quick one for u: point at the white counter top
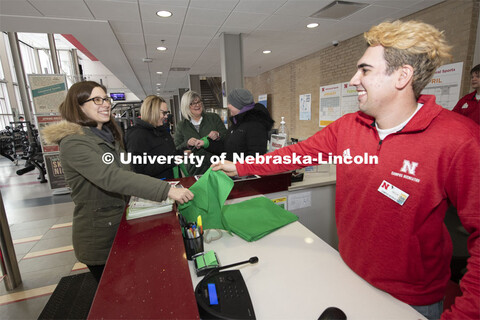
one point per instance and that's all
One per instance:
(299, 275)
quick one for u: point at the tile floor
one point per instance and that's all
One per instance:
(40, 225)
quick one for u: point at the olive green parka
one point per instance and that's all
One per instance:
(99, 190)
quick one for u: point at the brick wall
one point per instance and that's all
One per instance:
(338, 64)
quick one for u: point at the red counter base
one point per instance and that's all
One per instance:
(147, 275)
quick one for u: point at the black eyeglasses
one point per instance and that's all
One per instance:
(99, 101)
(199, 102)
(164, 112)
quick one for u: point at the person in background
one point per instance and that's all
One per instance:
(197, 125)
(150, 135)
(251, 123)
(390, 214)
(90, 146)
(469, 105)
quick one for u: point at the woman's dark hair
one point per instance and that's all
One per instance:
(71, 111)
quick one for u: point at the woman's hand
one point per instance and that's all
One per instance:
(227, 166)
(192, 142)
(199, 144)
(214, 135)
(182, 195)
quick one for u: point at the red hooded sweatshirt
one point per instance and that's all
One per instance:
(390, 215)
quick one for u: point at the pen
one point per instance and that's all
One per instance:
(194, 228)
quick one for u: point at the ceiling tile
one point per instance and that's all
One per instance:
(18, 7)
(206, 17)
(113, 10)
(63, 8)
(302, 8)
(226, 5)
(255, 6)
(126, 26)
(160, 29)
(245, 20)
(199, 30)
(130, 38)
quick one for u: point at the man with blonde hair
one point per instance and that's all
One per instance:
(390, 215)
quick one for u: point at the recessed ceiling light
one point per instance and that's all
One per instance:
(158, 89)
(161, 48)
(312, 25)
(159, 84)
(159, 72)
(267, 51)
(164, 14)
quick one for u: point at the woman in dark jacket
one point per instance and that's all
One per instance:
(149, 135)
(248, 134)
(251, 123)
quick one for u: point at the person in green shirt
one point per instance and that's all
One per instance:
(197, 125)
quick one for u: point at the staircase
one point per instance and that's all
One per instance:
(209, 97)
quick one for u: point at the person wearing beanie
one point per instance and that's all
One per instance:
(240, 98)
(251, 123)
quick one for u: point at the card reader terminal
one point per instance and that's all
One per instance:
(224, 295)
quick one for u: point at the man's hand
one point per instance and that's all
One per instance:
(228, 167)
(182, 195)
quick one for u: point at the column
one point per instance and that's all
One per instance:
(231, 55)
(9, 78)
(195, 83)
(22, 82)
(53, 53)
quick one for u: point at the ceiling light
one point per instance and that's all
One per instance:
(159, 72)
(161, 48)
(267, 51)
(312, 25)
(164, 14)
(159, 84)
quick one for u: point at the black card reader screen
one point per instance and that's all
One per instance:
(212, 294)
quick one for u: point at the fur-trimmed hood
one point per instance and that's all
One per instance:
(54, 133)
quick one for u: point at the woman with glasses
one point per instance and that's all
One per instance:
(150, 135)
(90, 146)
(197, 126)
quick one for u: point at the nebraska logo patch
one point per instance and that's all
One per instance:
(409, 167)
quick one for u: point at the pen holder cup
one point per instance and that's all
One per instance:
(193, 246)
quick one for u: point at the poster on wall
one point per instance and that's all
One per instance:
(349, 100)
(42, 122)
(306, 106)
(263, 99)
(445, 85)
(48, 92)
(329, 104)
(54, 168)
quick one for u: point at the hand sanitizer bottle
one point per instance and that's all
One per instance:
(282, 130)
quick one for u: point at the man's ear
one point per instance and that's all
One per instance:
(405, 76)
